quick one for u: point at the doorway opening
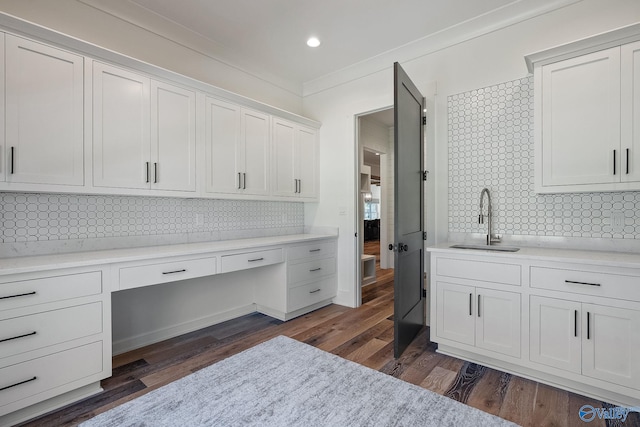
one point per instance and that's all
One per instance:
(375, 197)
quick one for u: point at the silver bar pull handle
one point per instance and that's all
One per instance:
(147, 172)
(19, 336)
(155, 173)
(299, 186)
(315, 250)
(256, 259)
(313, 292)
(478, 305)
(239, 181)
(13, 155)
(244, 181)
(19, 295)
(20, 383)
(575, 323)
(588, 325)
(174, 271)
(582, 283)
(316, 269)
(614, 161)
(470, 304)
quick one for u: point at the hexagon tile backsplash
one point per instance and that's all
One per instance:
(491, 145)
(47, 217)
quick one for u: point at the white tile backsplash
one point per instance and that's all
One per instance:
(491, 145)
(55, 217)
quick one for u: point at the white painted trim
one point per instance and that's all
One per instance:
(505, 16)
(601, 41)
(141, 340)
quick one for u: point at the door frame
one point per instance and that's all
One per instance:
(356, 200)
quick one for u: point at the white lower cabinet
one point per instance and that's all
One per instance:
(578, 328)
(480, 317)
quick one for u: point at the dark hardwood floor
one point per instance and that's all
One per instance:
(363, 335)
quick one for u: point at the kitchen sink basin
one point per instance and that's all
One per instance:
(496, 248)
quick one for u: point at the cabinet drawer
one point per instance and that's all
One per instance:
(586, 282)
(29, 378)
(303, 296)
(153, 274)
(26, 333)
(311, 250)
(485, 271)
(311, 270)
(247, 260)
(49, 289)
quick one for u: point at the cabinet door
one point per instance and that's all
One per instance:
(610, 343)
(306, 162)
(581, 119)
(455, 312)
(121, 143)
(223, 147)
(630, 124)
(498, 321)
(554, 333)
(3, 163)
(44, 114)
(255, 152)
(283, 158)
(173, 138)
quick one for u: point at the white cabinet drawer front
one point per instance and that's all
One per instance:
(586, 282)
(306, 295)
(153, 274)
(35, 376)
(247, 260)
(312, 250)
(49, 289)
(27, 333)
(311, 270)
(509, 274)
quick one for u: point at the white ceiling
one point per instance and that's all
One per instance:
(267, 38)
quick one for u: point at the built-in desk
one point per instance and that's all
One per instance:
(55, 311)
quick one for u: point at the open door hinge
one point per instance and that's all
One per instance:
(424, 235)
(425, 174)
(424, 120)
(424, 293)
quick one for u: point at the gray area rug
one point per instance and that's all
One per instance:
(283, 382)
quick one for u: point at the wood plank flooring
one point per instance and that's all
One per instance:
(363, 335)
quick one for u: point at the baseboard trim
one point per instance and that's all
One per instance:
(132, 343)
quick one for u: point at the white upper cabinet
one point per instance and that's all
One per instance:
(173, 138)
(44, 114)
(630, 124)
(586, 115)
(294, 160)
(144, 132)
(3, 163)
(237, 149)
(121, 140)
(581, 120)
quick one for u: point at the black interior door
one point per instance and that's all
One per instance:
(408, 207)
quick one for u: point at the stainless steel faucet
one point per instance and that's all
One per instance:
(490, 237)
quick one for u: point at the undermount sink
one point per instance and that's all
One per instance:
(487, 248)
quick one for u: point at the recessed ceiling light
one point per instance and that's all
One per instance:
(377, 154)
(313, 42)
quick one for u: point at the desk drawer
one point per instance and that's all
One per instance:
(29, 378)
(586, 282)
(311, 270)
(309, 294)
(170, 271)
(485, 271)
(26, 333)
(26, 293)
(311, 250)
(248, 260)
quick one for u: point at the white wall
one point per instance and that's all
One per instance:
(493, 58)
(79, 20)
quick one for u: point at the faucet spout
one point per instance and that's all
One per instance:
(489, 211)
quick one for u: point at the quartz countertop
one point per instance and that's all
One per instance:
(27, 264)
(605, 258)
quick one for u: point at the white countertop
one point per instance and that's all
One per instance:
(613, 259)
(29, 264)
